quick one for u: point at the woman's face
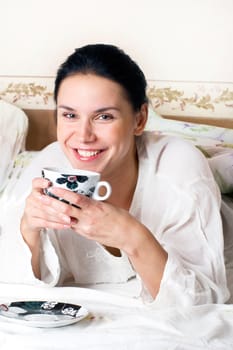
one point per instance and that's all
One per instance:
(96, 124)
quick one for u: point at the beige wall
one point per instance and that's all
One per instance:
(171, 39)
(175, 41)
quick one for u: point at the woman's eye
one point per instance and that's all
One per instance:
(69, 115)
(105, 117)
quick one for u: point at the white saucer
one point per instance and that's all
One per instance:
(43, 314)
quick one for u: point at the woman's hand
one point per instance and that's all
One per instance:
(39, 213)
(96, 220)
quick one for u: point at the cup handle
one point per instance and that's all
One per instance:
(108, 189)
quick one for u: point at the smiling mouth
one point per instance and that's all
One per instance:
(87, 154)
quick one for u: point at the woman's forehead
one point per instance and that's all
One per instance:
(89, 88)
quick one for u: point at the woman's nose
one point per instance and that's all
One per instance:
(85, 131)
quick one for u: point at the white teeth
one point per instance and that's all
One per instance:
(83, 153)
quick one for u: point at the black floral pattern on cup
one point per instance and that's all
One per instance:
(71, 181)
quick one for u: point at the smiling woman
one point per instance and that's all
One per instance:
(94, 119)
(156, 221)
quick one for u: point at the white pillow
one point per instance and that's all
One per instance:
(13, 132)
(200, 134)
(216, 144)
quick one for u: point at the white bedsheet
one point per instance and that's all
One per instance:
(118, 322)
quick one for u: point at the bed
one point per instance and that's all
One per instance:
(117, 318)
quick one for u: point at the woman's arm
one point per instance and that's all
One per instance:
(148, 258)
(39, 214)
(187, 267)
(32, 239)
(115, 227)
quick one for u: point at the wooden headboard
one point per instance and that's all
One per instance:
(42, 126)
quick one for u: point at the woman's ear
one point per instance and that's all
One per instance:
(141, 119)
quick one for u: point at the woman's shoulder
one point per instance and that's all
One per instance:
(168, 145)
(174, 156)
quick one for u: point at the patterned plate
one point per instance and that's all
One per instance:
(42, 314)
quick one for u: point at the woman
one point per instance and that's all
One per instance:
(162, 220)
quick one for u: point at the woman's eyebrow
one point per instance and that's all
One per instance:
(104, 109)
(99, 110)
(66, 107)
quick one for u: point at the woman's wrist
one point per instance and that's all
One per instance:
(32, 239)
(30, 236)
(137, 237)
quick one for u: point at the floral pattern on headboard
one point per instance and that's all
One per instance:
(28, 92)
(167, 98)
(192, 99)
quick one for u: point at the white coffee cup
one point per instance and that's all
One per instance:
(80, 181)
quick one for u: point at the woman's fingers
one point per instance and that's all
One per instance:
(92, 219)
(66, 209)
(43, 211)
(77, 200)
(40, 184)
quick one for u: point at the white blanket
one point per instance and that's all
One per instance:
(118, 322)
